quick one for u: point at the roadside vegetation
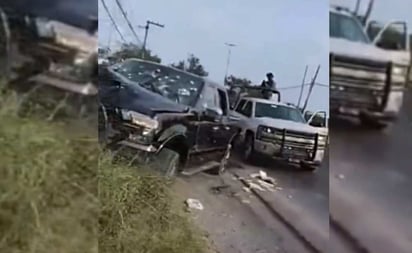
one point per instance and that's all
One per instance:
(54, 197)
(48, 186)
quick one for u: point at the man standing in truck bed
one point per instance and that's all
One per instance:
(270, 84)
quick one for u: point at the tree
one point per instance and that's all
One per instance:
(180, 65)
(192, 65)
(130, 50)
(239, 81)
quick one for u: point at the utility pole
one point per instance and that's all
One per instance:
(303, 85)
(229, 45)
(311, 88)
(146, 32)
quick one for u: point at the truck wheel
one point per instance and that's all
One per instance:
(248, 150)
(307, 167)
(374, 124)
(168, 161)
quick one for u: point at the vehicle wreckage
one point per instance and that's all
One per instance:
(50, 44)
(174, 120)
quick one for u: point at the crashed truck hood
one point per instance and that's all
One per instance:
(345, 47)
(289, 125)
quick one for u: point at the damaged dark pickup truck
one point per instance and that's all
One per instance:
(50, 45)
(172, 117)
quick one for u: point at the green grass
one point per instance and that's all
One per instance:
(48, 187)
(53, 197)
(138, 214)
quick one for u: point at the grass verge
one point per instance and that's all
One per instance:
(139, 215)
(48, 186)
(53, 197)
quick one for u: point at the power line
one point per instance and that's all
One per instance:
(306, 84)
(127, 20)
(112, 20)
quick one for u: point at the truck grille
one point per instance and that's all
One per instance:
(356, 83)
(297, 144)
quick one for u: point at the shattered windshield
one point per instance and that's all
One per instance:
(345, 27)
(278, 112)
(175, 85)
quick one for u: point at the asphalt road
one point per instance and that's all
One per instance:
(373, 171)
(310, 190)
(233, 220)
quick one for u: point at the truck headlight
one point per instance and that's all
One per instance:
(399, 71)
(267, 132)
(322, 139)
(139, 119)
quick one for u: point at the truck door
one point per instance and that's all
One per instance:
(226, 129)
(393, 36)
(395, 39)
(203, 138)
(317, 119)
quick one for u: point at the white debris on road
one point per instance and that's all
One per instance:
(194, 204)
(247, 189)
(259, 181)
(341, 176)
(255, 186)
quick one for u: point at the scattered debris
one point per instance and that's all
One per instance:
(259, 181)
(279, 188)
(262, 175)
(268, 186)
(341, 176)
(194, 204)
(247, 189)
(245, 201)
(255, 186)
(290, 197)
(218, 189)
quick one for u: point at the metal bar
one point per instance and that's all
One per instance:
(388, 87)
(315, 148)
(283, 141)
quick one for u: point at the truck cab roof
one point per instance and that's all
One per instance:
(341, 10)
(267, 101)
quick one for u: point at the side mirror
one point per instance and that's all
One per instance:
(214, 113)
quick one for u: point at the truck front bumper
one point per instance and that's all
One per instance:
(275, 151)
(353, 112)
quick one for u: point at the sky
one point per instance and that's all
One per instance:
(275, 36)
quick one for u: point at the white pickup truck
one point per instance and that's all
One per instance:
(367, 78)
(279, 131)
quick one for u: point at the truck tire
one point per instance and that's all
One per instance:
(168, 162)
(248, 153)
(307, 167)
(374, 124)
